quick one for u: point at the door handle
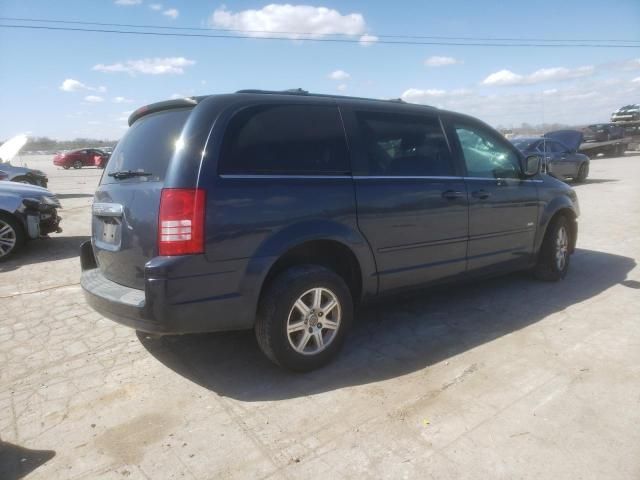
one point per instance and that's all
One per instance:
(452, 194)
(481, 194)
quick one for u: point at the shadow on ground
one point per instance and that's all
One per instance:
(44, 250)
(18, 462)
(393, 338)
(592, 181)
(68, 196)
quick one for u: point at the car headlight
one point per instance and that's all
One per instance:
(51, 201)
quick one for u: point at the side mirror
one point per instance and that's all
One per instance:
(531, 165)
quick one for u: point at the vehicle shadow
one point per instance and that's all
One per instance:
(592, 181)
(18, 462)
(68, 196)
(44, 250)
(393, 338)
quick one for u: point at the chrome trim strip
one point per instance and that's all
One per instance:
(373, 177)
(403, 177)
(333, 177)
(107, 209)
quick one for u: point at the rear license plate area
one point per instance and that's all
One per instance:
(108, 233)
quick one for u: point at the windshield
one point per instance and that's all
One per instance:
(147, 147)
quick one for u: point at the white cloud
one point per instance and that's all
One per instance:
(367, 40)
(94, 122)
(171, 13)
(93, 99)
(148, 66)
(590, 101)
(437, 61)
(636, 80)
(71, 85)
(292, 21)
(416, 95)
(128, 2)
(156, 6)
(342, 87)
(121, 100)
(507, 77)
(632, 64)
(339, 75)
(176, 96)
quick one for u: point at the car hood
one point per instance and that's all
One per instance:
(23, 190)
(569, 138)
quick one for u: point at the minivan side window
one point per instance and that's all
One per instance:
(285, 140)
(485, 155)
(404, 145)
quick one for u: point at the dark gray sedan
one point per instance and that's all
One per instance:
(560, 153)
(26, 212)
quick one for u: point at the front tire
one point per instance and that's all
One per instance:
(11, 236)
(303, 317)
(77, 164)
(554, 256)
(583, 173)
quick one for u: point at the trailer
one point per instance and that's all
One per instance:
(610, 148)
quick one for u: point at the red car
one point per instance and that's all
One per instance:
(87, 157)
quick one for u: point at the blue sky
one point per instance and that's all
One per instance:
(66, 84)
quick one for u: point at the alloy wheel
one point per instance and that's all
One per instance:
(314, 321)
(8, 238)
(562, 248)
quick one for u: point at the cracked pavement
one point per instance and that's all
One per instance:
(504, 378)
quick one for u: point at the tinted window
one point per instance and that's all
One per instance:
(148, 146)
(556, 147)
(399, 145)
(485, 155)
(285, 140)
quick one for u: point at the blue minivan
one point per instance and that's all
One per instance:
(280, 211)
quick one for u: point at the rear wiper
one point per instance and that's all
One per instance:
(122, 174)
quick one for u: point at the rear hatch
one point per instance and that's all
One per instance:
(126, 204)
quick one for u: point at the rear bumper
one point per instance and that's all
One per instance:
(151, 310)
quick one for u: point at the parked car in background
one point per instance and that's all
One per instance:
(26, 212)
(8, 151)
(303, 205)
(85, 157)
(602, 132)
(628, 113)
(4, 175)
(560, 153)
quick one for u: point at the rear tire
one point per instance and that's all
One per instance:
(66, 167)
(303, 317)
(11, 236)
(554, 256)
(583, 173)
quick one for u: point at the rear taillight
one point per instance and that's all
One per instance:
(181, 221)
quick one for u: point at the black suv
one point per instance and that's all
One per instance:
(279, 211)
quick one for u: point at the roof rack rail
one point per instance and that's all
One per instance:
(300, 91)
(290, 91)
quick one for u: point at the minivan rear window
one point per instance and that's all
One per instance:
(147, 146)
(285, 140)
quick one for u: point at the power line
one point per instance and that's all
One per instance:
(312, 34)
(314, 39)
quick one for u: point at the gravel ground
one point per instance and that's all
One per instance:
(506, 378)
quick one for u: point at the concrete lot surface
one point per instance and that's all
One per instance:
(506, 378)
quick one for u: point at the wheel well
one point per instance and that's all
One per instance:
(327, 253)
(573, 226)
